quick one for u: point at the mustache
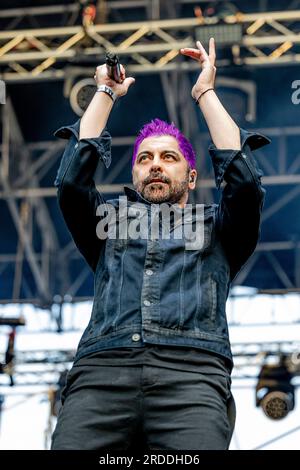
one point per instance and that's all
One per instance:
(152, 177)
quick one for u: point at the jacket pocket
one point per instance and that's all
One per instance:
(213, 300)
(207, 304)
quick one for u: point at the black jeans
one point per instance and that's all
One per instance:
(142, 408)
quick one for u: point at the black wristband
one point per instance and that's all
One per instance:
(197, 101)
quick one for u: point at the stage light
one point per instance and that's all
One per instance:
(88, 15)
(221, 10)
(295, 360)
(274, 391)
(81, 95)
(224, 34)
(218, 26)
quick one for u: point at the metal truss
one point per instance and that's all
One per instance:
(38, 372)
(23, 185)
(16, 158)
(146, 46)
(41, 367)
(149, 46)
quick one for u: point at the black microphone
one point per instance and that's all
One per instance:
(113, 67)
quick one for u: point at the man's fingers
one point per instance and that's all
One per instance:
(189, 50)
(193, 53)
(123, 74)
(128, 81)
(202, 50)
(200, 53)
(212, 51)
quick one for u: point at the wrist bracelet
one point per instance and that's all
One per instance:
(106, 89)
(197, 101)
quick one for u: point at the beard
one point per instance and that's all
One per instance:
(167, 191)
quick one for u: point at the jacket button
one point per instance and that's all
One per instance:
(244, 156)
(149, 272)
(147, 303)
(76, 145)
(136, 337)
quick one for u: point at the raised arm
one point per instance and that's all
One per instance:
(95, 117)
(89, 142)
(223, 130)
(239, 211)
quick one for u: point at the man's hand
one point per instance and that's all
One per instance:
(96, 115)
(120, 89)
(206, 78)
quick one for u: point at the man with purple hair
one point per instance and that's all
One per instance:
(153, 367)
(173, 187)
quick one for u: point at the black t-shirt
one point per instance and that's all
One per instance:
(172, 357)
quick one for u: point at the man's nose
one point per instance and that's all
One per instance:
(156, 164)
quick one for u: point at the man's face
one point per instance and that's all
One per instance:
(160, 172)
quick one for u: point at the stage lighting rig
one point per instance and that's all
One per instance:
(274, 391)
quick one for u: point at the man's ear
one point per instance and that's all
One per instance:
(192, 179)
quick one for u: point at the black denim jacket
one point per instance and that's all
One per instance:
(155, 290)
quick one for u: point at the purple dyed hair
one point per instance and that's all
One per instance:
(157, 127)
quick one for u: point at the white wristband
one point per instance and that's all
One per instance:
(106, 89)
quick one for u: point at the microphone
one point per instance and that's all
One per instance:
(113, 67)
